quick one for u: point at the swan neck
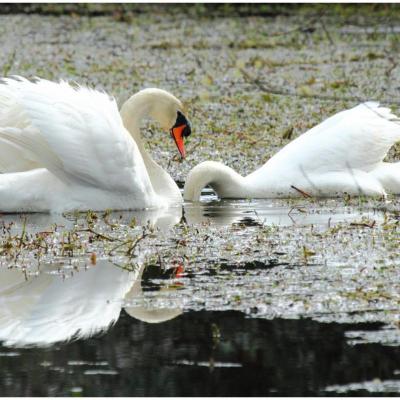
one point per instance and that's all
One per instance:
(132, 113)
(223, 179)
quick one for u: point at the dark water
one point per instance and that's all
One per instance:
(199, 354)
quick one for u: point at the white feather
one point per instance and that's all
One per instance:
(78, 136)
(343, 154)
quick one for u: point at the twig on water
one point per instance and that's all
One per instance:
(302, 192)
(364, 224)
(135, 243)
(100, 235)
(132, 243)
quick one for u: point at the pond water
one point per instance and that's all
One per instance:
(202, 353)
(221, 298)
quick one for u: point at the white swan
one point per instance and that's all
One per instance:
(47, 308)
(343, 154)
(85, 153)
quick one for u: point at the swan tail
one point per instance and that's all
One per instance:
(385, 122)
(26, 191)
(383, 112)
(369, 131)
(388, 174)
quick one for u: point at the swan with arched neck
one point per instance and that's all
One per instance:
(342, 155)
(68, 148)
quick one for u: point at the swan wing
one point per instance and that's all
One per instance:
(358, 138)
(12, 157)
(15, 159)
(76, 133)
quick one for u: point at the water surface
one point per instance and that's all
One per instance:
(221, 298)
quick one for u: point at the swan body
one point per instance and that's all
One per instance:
(343, 154)
(64, 148)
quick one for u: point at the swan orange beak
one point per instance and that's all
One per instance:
(178, 133)
(180, 130)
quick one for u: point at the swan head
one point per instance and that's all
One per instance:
(179, 131)
(169, 112)
(162, 106)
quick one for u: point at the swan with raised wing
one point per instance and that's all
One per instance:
(342, 155)
(68, 148)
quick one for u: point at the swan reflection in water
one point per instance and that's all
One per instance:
(275, 212)
(39, 310)
(48, 308)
